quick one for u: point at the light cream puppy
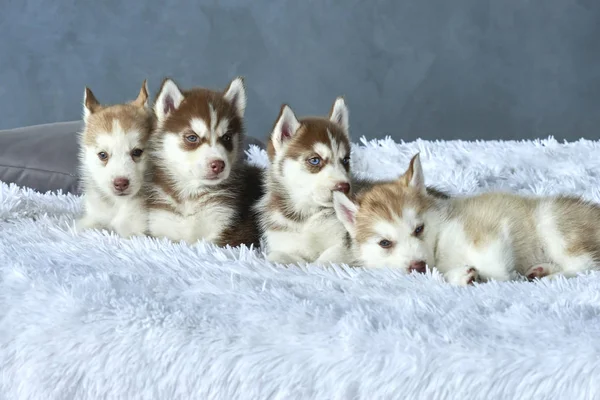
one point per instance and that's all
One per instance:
(113, 164)
(492, 236)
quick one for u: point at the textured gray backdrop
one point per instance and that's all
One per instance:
(468, 69)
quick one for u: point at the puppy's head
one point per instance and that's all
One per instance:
(310, 157)
(387, 222)
(113, 143)
(200, 133)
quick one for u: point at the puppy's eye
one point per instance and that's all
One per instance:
(103, 156)
(226, 137)
(136, 152)
(345, 160)
(316, 161)
(385, 244)
(192, 138)
(419, 229)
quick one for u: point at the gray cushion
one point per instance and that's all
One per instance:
(44, 157)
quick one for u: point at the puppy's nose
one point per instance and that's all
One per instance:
(343, 187)
(217, 166)
(121, 184)
(418, 266)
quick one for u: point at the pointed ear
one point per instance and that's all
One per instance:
(286, 126)
(90, 104)
(168, 100)
(339, 114)
(346, 211)
(413, 177)
(142, 99)
(236, 95)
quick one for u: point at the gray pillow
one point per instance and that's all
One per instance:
(44, 157)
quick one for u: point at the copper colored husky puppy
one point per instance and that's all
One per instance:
(202, 188)
(309, 160)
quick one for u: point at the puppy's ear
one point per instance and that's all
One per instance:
(142, 99)
(90, 104)
(236, 95)
(345, 210)
(413, 177)
(285, 127)
(169, 99)
(339, 114)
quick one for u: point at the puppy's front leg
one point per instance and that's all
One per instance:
(280, 257)
(337, 254)
(131, 220)
(284, 247)
(462, 276)
(87, 222)
(128, 228)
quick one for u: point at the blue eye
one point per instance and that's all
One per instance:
(314, 161)
(386, 244)
(346, 160)
(419, 230)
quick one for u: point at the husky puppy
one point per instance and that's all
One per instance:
(309, 160)
(491, 236)
(113, 164)
(202, 189)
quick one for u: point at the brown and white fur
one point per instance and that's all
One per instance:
(309, 160)
(492, 236)
(202, 188)
(114, 163)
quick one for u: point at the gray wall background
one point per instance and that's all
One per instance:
(435, 69)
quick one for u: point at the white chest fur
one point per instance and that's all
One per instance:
(126, 216)
(320, 238)
(190, 221)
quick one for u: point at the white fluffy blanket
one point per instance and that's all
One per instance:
(98, 317)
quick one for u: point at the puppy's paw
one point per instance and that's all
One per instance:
(129, 228)
(84, 223)
(130, 231)
(278, 257)
(463, 276)
(540, 271)
(334, 254)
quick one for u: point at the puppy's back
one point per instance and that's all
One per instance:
(578, 222)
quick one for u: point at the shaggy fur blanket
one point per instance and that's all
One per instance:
(99, 317)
